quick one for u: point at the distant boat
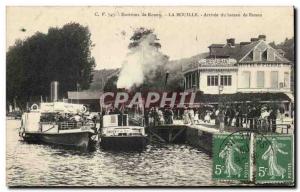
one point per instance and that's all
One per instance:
(117, 134)
(45, 124)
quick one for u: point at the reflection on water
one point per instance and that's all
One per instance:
(42, 165)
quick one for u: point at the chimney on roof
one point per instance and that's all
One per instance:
(253, 39)
(231, 42)
(244, 43)
(262, 37)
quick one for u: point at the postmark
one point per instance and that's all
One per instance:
(232, 156)
(274, 159)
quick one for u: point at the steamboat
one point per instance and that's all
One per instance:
(58, 123)
(123, 132)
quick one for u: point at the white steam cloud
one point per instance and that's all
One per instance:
(141, 63)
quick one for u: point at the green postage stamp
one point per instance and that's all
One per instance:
(274, 159)
(232, 156)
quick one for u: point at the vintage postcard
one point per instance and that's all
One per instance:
(178, 96)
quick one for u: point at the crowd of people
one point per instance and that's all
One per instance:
(241, 116)
(70, 119)
(252, 116)
(159, 116)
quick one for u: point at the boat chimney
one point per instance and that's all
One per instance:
(54, 91)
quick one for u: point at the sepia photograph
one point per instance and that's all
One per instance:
(150, 96)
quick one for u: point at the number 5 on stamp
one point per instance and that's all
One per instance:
(232, 157)
(274, 159)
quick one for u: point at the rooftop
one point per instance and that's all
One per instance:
(239, 50)
(82, 95)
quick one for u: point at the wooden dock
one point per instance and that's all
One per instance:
(199, 135)
(196, 135)
(167, 133)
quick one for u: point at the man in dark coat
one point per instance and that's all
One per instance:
(272, 120)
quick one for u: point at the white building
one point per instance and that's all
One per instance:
(247, 67)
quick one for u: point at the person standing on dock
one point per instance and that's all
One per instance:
(151, 116)
(221, 117)
(186, 116)
(251, 117)
(191, 115)
(207, 117)
(161, 117)
(217, 122)
(226, 117)
(168, 115)
(272, 120)
(239, 117)
(196, 118)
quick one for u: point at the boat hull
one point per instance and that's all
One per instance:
(79, 140)
(123, 142)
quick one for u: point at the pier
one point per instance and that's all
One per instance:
(198, 135)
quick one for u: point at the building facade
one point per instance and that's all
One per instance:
(247, 67)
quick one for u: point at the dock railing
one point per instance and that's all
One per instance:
(263, 125)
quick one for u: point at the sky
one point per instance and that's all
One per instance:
(181, 36)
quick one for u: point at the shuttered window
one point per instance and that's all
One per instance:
(274, 79)
(245, 83)
(260, 79)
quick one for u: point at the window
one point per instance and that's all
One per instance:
(264, 56)
(286, 79)
(274, 79)
(212, 80)
(260, 79)
(246, 79)
(226, 80)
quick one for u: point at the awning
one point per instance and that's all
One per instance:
(291, 96)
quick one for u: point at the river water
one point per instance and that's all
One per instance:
(43, 165)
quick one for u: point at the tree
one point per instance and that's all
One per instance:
(111, 84)
(289, 48)
(144, 54)
(138, 36)
(63, 54)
